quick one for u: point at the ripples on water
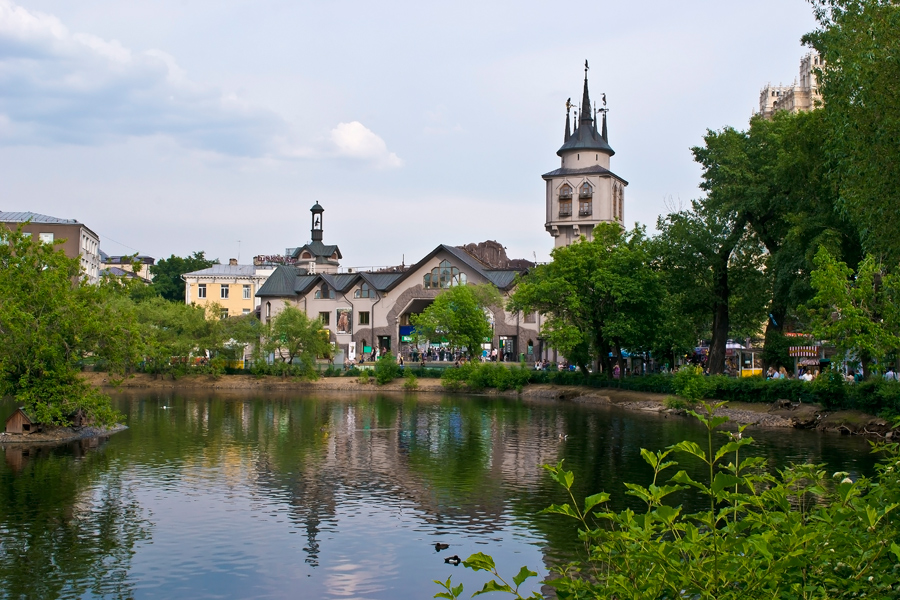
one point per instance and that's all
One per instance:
(329, 497)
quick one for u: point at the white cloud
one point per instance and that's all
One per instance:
(63, 87)
(355, 140)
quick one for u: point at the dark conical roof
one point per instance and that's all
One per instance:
(585, 136)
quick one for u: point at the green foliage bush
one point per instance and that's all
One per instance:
(411, 382)
(475, 377)
(690, 383)
(364, 376)
(800, 533)
(386, 369)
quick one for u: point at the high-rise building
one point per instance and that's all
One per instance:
(583, 191)
(802, 95)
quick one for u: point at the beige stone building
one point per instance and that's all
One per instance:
(583, 191)
(79, 241)
(366, 310)
(801, 95)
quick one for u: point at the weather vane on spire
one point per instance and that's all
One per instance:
(586, 67)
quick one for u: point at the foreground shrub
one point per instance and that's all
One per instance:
(386, 369)
(411, 382)
(690, 383)
(798, 534)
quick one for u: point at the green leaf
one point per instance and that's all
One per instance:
(592, 501)
(560, 509)
(479, 562)
(724, 480)
(691, 448)
(524, 574)
(493, 586)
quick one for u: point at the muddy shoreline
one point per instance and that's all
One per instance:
(58, 435)
(799, 416)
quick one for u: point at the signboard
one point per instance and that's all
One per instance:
(367, 349)
(351, 351)
(344, 320)
(406, 338)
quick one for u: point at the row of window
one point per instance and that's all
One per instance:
(224, 291)
(325, 317)
(585, 208)
(586, 191)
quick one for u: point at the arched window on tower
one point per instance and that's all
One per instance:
(585, 200)
(565, 200)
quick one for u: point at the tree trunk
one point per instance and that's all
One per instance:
(720, 315)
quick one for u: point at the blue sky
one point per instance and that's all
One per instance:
(181, 125)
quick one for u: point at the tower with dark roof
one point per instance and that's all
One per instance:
(583, 191)
(316, 256)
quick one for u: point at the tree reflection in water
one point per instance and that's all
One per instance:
(69, 524)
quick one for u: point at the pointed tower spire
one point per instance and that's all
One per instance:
(586, 97)
(568, 128)
(603, 132)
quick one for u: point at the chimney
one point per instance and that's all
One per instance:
(232, 262)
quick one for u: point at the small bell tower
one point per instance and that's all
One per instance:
(316, 230)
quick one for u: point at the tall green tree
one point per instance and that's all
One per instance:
(713, 267)
(293, 336)
(859, 41)
(167, 272)
(599, 297)
(458, 317)
(857, 311)
(50, 319)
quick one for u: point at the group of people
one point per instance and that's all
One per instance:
(777, 374)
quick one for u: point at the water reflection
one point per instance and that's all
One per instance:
(238, 495)
(69, 523)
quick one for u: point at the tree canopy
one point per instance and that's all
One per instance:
(167, 272)
(50, 319)
(458, 317)
(599, 296)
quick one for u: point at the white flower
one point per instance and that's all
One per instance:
(846, 480)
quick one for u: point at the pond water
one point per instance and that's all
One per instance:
(333, 496)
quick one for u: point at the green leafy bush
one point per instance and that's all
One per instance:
(800, 533)
(364, 376)
(690, 383)
(386, 369)
(410, 382)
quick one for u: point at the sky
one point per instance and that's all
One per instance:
(175, 126)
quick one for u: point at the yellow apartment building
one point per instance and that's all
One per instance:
(233, 287)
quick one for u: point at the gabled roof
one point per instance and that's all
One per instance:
(281, 282)
(288, 281)
(21, 217)
(21, 409)
(465, 258)
(502, 279)
(318, 249)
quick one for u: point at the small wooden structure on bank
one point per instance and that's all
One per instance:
(20, 422)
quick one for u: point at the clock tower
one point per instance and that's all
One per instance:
(583, 191)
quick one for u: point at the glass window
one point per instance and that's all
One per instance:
(201, 290)
(268, 309)
(318, 295)
(363, 318)
(586, 190)
(325, 317)
(364, 291)
(246, 311)
(223, 293)
(46, 238)
(565, 191)
(224, 313)
(246, 292)
(565, 208)
(585, 207)
(444, 276)
(529, 317)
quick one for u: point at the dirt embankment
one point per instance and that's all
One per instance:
(783, 414)
(55, 435)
